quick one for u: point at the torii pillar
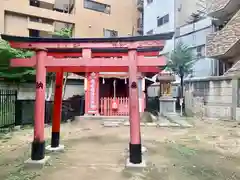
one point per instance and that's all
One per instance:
(135, 152)
(38, 144)
(57, 114)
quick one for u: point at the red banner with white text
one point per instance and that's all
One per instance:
(93, 101)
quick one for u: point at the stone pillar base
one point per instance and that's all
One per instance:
(132, 165)
(60, 148)
(167, 105)
(34, 164)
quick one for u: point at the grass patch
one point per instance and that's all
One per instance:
(201, 164)
(20, 174)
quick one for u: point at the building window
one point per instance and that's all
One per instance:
(34, 3)
(163, 20)
(150, 32)
(96, 6)
(149, 1)
(34, 33)
(200, 51)
(109, 33)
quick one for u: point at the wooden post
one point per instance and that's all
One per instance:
(135, 137)
(57, 110)
(38, 145)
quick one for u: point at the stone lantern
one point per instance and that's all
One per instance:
(167, 102)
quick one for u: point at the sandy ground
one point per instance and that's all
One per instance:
(208, 151)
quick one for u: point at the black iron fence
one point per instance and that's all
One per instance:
(21, 112)
(7, 108)
(70, 108)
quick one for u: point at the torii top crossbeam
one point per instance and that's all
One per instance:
(93, 54)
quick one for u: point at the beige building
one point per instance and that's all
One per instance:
(87, 17)
(224, 44)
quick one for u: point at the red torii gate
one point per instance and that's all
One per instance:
(77, 55)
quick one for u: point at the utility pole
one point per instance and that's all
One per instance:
(175, 23)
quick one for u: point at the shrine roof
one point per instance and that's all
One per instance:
(163, 36)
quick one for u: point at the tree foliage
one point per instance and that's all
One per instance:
(9, 73)
(64, 33)
(181, 60)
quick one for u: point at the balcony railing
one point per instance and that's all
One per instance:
(26, 9)
(140, 4)
(38, 24)
(67, 7)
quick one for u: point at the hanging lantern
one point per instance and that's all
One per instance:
(103, 81)
(114, 102)
(114, 105)
(125, 80)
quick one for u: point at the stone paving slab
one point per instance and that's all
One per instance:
(168, 124)
(143, 124)
(179, 120)
(111, 124)
(174, 121)
(128, 124)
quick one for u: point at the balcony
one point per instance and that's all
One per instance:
(222, 9)
(40, 25)
(26, 9)
(225, 44)
(140, 4)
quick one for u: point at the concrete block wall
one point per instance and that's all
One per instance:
(238, 113)
(214, 99)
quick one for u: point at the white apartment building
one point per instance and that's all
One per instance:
(175, 15)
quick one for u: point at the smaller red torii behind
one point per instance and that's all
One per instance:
(125, 54)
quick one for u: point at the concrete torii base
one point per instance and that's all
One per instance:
(131, 165)
(60, 148)
(33, 164)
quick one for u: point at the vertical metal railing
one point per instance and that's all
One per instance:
(7, 108)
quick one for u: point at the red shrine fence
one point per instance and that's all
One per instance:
(106, 108)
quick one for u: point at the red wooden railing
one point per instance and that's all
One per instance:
(107, 110)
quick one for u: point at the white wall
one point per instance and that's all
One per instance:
(26, 91)
(158, 8)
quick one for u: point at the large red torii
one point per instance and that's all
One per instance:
(84, 55)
